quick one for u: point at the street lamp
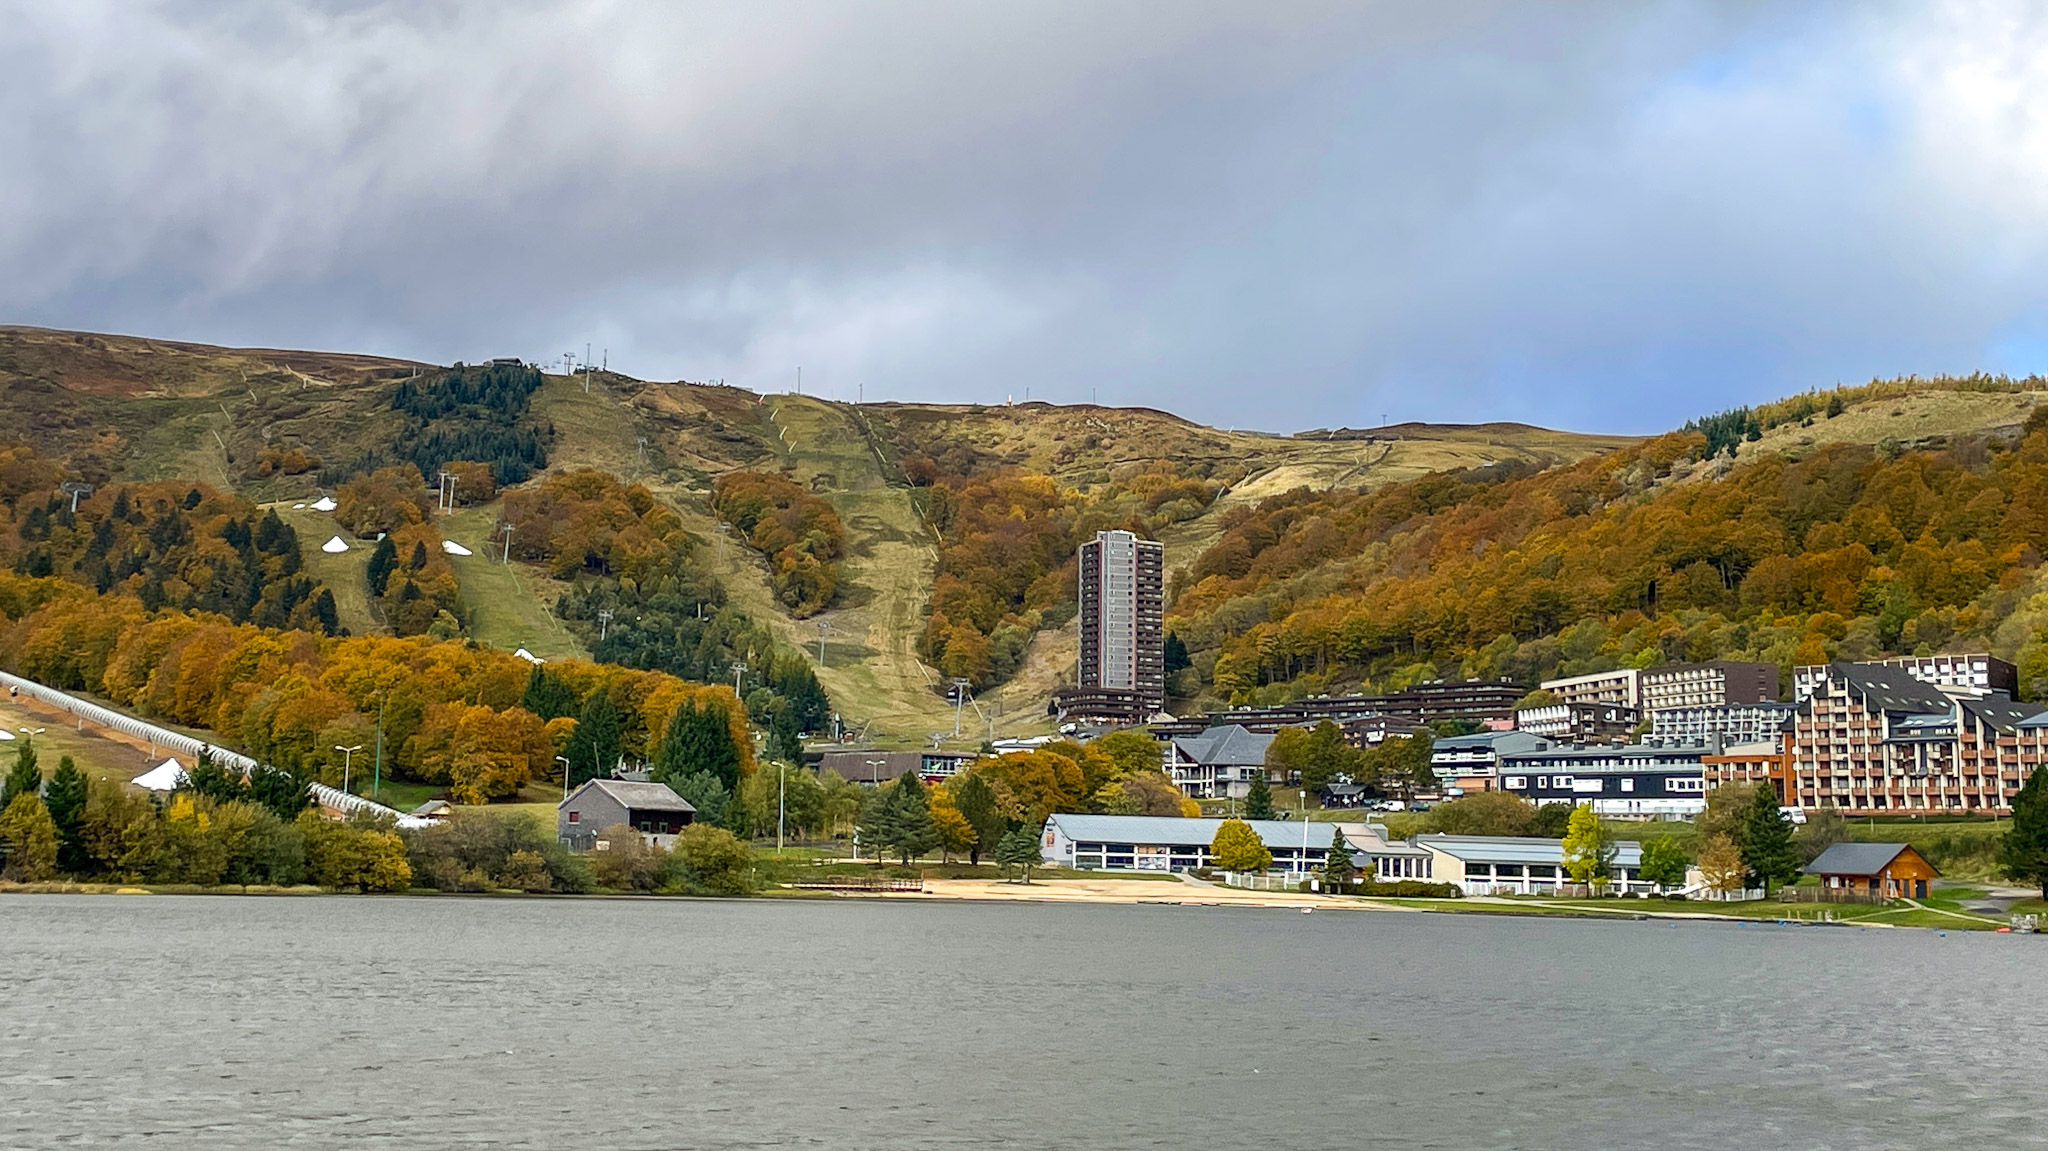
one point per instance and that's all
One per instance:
(348, 755)
(564, 761)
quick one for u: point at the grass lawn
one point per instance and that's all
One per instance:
(1760, 910)
(96, 755)
(509, 606)
(342, 573)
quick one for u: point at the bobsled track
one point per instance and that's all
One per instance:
(332, 798)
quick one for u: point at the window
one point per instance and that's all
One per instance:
(1516, 782)
(1628, 785)
(575, 817)
(1542, 781)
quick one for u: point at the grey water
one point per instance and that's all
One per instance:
(412, 1022)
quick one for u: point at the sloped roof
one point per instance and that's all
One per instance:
(2004, 715)
(1890, 689)
(637, 796)
(1230, 745)
(1514, 849)
(1856, 859)
(1498, 742)
(1136, 829)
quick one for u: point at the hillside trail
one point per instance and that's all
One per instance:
(870, 667)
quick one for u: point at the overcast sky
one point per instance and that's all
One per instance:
(1274, 215)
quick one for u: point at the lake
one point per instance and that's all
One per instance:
(225, 1022)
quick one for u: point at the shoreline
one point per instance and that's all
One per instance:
(1112, 892)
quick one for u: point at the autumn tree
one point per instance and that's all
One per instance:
(30, 839)
(1721, 864)
(1588, 850)
(1486, 813)
(954, 832)
(714, 861)
(1238, 848)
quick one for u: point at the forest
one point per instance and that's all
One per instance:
(444, 712)
(473, 413)
(799, 532)
(1629, 559)
(1006, 553)
(171, 545)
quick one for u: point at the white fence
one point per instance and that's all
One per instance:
(329, 797)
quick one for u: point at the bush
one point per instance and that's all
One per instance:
(714, 861)
(1411, 889)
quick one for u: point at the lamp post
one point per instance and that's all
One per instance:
(348, 755)
(564, 761)
(781, 786)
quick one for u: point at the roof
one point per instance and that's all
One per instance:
(871, 766)
(1512, 849)
(635, 796)
(1176, 830)
(1889, 688)
(1856, 858)
(1229, 744)
(2004, 715)
(1498, 742)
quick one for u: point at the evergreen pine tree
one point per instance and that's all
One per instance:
(1767, 849)
(703, 791)
(594, 746)
(213, 781)
(1019, 849)
(283, 792)
(2024, 853)
(1337, 868)
(65, 799)
(377, 572)
(785, 739)
(547, 696)
(1258, 802)
(976, 800)
(25, 778)
(698, 739)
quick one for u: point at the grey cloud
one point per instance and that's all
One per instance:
(1281, 215)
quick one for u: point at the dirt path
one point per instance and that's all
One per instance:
(1185, 893)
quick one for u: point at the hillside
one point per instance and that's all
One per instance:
(928, 496)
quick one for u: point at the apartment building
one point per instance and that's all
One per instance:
(1973, 673)
(1623, 686)
(1579, 722)
(1122, 594)
(1722, 681)
(1872, 738)
(1635, 781)
(1730, 723)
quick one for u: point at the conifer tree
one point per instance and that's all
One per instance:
(65, 800)
(976, 800)
(698, 739)
(1337, 868)
(594, 746)
(1258, 802)
(1019, 849)
(25, 778)
(2024, 853)
(1767, 848)
(377, 572)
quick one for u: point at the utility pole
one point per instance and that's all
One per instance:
(348, 755)
(604, 624)
(823, 627)
(586, 369)
(723, 528)
(781, 786)
(739, 668)
(564, 761)
(507, 528)
(959, 703)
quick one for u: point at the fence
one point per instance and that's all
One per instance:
(1829, 895)
(1259, 881)
(859, 883)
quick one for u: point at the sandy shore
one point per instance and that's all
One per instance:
(1187, 892)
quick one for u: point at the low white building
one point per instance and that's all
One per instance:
(1504, 865)
(1166, 843)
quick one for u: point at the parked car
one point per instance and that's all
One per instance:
(1419, 805)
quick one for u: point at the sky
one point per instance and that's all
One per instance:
(1602, 217)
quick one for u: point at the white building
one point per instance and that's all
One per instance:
(1501, 865)
(1971, 674)
(1622, 686)
(1729, 722)
(1166, 843)
(1220, 763)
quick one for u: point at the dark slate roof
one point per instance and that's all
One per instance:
(2001, 714)
(640, 796)
(1230, 745)
(1855, 859)
(1891, 689)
